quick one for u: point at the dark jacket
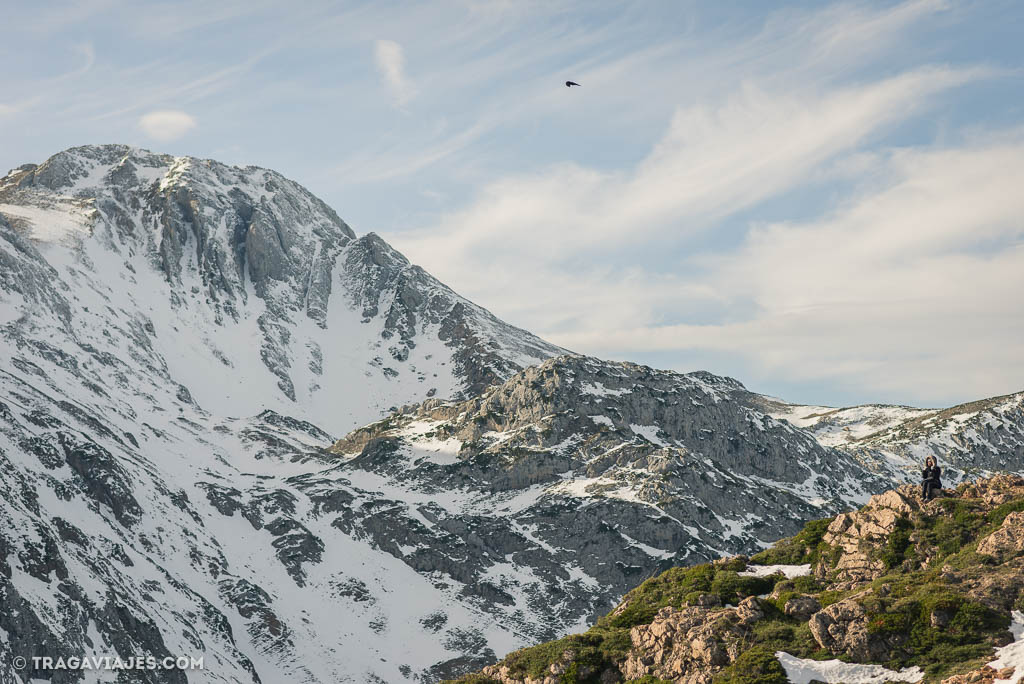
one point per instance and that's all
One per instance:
(932, 474)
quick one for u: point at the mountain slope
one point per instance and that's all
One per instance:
(547, 497)
(899, 590)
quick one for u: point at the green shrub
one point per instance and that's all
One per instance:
(597, 650)
(734, 564)
(475, 679)
(733, 587)
(827, 598)
(807, 584)
(973, 619)
(897, 544)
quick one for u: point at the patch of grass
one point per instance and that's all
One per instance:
(905, 617)
(805, 547)
(756, 665)
(959, 524)
(671, 588)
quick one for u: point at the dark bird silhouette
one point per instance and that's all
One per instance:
(570, 84)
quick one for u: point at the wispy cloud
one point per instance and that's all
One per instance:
(167, 124)
(712, 162)
(390, 60)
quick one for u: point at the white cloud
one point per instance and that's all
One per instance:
(390, 61)
(166, 124)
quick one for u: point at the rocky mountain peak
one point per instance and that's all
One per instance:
(267, 273)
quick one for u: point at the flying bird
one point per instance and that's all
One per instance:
(570, 84)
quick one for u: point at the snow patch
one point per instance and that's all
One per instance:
(57, 223)
(648, 432)
(790, 571)
(598, 390)
(804, 671)
(1012, 655)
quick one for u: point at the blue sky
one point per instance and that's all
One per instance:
(822, 200)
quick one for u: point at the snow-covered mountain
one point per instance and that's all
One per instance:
(231, 283)
(979, 437)
(183, 343)
(175, 330)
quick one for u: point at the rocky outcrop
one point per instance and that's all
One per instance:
(801, 607)
(1008, 541)
(843, 629)
(855, 534)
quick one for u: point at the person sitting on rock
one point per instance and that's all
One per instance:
(930, 483)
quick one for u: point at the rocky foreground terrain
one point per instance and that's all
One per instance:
(899, 590)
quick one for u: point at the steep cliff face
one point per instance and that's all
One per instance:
(899, 590)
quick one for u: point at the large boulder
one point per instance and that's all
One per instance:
(842, 628)
(1007, 541)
